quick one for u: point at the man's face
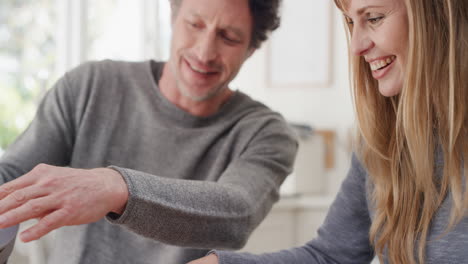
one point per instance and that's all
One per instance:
(209, 44)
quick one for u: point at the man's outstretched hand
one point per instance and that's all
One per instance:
(60, 196)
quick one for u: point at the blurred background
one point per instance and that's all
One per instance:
(300, 72)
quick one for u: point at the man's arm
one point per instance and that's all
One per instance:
(219, 214)
(188, 213)
(59, 197)
(166, 209)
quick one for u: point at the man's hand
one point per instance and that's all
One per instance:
(210, 259)
(59, 197)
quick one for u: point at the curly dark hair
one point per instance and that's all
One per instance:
(265, 15)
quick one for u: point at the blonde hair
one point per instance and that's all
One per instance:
(399, 136)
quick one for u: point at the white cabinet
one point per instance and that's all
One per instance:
(291, 222)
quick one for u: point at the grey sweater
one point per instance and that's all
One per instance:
(193, 182)
(343, 237)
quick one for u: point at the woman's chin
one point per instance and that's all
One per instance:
(389, 90)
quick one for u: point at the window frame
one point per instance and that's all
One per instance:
(73, 31)
(71, 35)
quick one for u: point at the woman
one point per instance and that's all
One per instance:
(405, 198)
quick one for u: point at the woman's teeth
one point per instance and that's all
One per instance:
(379, 64)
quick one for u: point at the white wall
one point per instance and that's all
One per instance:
(326, 107)
(294, 220)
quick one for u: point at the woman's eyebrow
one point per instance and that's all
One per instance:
(361, 10)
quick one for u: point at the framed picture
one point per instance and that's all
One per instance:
(299, 52)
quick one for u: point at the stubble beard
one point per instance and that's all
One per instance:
(199, 98)
(184, 91)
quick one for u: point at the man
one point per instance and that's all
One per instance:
(163, 160)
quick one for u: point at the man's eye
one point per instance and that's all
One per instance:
(229, 39)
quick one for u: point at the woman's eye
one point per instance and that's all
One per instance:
(374, 20)
(194, 24)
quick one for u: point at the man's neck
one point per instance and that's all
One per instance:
(168, 87)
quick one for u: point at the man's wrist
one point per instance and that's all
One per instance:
(118, 190)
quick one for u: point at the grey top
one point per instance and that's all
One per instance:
(343, 237)
(7, 241)
(193, 182)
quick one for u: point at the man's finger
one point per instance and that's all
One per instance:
(47, 223)
(20, 197)
(32, 209)
(21, 182)
(9, 187)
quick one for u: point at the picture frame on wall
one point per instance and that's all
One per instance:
(299, 52)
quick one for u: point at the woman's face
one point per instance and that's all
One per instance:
(379, 33)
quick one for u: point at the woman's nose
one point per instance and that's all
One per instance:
(360, 42)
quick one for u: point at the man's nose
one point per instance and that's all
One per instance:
(360, 42)
(207, 49)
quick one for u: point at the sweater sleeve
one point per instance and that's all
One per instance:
(207, 214)
(342, 238)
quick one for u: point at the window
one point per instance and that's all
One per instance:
(119, 33)
(128, 30)
(41, 39)
(28, 50)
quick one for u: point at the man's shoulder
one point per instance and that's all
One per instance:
(108, 77)
(252, 108)
(253, 115)
(96, 69)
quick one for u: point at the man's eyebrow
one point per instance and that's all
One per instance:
(232, 29)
